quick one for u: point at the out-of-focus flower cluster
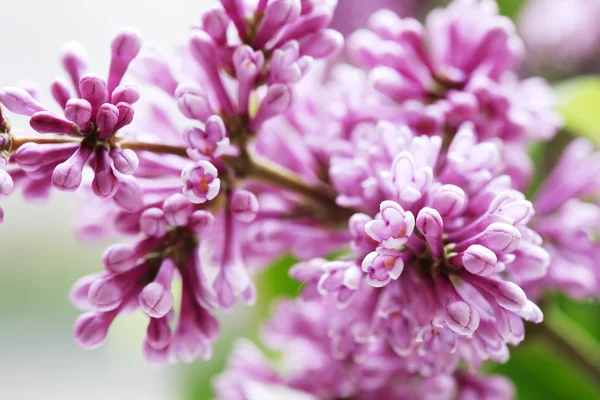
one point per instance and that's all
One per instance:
(249, 145)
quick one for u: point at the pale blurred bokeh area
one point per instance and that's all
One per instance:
(39, 255)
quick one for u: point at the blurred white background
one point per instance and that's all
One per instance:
(39, 255)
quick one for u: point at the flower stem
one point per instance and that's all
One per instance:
(570, 341)
(18, 141)
(154, 147)
(246, 165)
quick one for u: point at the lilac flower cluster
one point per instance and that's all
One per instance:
(248, 145)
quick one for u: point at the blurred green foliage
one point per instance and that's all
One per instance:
(579, 103)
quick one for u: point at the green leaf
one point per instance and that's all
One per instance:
(538, 373)
(579, 103)
(510, 8)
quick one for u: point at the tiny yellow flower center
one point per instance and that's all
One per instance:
(401, 233)
(203, 184)
(389, 263)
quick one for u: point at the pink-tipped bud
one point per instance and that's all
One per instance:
(130, 195)
(177, 210)
(106, 119)
(152, 222)
(193, 102)
(46, 122)
(79, 292)
(449, 200)
(124, 47)
(156, 356)
(156, 300)
(60, 92)
(277, 100)
(67, 176)
(215, 22)
(126, 113)
(429, 222)
(158, 334)
(203, 48)
(125, 93)
(125, 161)
(78, 111)
(90, 329)
(277, 14)
(501, 237)
(462, 318)
(105, 183)
(120, 257)
(126, 44)
(244, 205)
(105, 294)
(281, 12)
(74, 59)
(93, 89)
(20, 101)
(510, 296)
(32, 156)
(202, 222)
(6, 182)
(325, 44)
(479, 260)
(201, 182)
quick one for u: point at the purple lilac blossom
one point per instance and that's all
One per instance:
(568, 218)
(414, 160)
(308, 370)
(420, 67)
(95, 113)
